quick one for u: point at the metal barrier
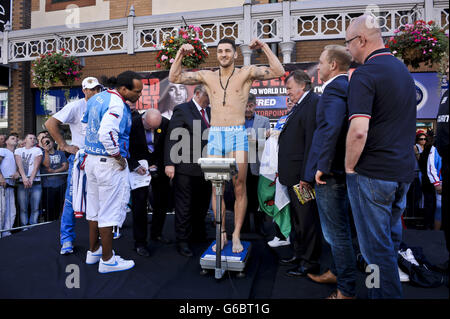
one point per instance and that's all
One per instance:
(50, 205)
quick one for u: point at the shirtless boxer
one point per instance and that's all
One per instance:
(228, 90)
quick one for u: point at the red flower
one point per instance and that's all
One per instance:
(430, 22)
(158, 65)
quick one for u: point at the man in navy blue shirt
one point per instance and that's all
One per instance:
(379, 159)
(325, 167)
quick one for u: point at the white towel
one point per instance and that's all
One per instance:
(79, 184)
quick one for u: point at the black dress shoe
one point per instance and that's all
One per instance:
(290, 261)
(301, 271)
(162, 240)
(184, 250)
(143, 251)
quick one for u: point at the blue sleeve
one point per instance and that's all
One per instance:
(334, 111)
(361, 95)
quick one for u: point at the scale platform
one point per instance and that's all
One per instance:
(230, 261)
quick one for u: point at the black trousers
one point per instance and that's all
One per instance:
(307, 241)
(192, 199)
(53, 201)
(252, 203)
(139, 200)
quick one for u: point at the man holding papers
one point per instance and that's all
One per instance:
(147, 136)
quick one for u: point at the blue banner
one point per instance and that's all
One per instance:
(428, 94)
(54, 100)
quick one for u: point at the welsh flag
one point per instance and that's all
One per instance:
(273, 197)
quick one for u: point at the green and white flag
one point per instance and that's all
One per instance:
(273, 197)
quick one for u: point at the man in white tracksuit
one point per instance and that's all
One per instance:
(108, 119)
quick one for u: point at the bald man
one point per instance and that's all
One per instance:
(379, 160)
(147, 136)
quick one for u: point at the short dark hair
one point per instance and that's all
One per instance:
(43, 132)
(11, 134)
(300, 77)
(229, 41)
(251, 98)
(123, 79)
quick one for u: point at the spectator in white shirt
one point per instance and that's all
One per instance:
(28, 160)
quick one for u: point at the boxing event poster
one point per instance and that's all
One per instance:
(271, 95)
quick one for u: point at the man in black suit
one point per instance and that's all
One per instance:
(184, 146)
(294, 143)
(147, 138)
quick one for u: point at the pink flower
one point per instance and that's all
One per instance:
(185, 36)
(172, 60)
(164, 57)
(196, 39)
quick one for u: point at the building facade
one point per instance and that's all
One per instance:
(112, 36)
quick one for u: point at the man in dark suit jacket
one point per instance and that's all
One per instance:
(258, 128)
(326, 168)
(294, 144)
(184, 146)
(147, 138)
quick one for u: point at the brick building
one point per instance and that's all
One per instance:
(266, 20)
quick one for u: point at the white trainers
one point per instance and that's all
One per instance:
(277, 242)
(94, 257)
(67, 248)
(404, 277)
(116, 263)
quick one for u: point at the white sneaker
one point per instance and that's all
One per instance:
(409, 256)
(67, 248)
(404, 277)
(94, 257)
(116, 263)
(277, 242)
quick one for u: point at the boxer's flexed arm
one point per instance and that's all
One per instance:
(275, 68)
(177, 76)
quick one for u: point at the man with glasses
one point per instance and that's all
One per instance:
(379, 166)
(147, 139)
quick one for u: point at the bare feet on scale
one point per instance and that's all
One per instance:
(223, 243)
(237, 246)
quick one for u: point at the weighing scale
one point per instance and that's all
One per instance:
(219, 171)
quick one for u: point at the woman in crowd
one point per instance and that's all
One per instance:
(28, 160)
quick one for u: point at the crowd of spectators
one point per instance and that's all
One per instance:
(32, 180)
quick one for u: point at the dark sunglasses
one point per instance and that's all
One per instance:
(422, 139)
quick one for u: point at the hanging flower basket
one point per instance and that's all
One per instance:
(421, 42)
(54, 67)
(166, 55)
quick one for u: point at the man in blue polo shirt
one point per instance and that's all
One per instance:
(379, 159)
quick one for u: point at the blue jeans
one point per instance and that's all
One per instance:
(332, 203)
(377, 206)
(67, 216)
(30, 196)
